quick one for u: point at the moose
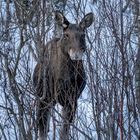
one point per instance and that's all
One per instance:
(60, 77)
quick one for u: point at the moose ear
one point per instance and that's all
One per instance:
(87, 21)
(61, 20)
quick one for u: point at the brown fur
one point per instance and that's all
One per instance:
(58, 79)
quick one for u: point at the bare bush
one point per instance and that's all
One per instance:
(109, 105)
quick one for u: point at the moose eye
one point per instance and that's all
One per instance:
(66, 36)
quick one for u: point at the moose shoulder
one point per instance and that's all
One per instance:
(60, 78)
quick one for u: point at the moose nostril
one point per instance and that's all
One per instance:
(83, 49)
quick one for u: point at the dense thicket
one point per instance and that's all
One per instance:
(109, 108)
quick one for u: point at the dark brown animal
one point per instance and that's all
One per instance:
(60, 78)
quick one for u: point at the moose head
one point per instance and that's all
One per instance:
(73, 38)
